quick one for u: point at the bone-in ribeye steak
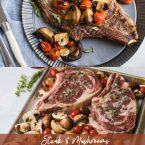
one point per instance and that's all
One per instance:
(72, 88)
(114, 110)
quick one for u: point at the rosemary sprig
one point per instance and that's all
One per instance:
(89, 50)
(36, 9)
(33, 80)
(21, 85)
(25, 85)
(57, 17)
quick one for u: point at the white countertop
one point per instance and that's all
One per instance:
(11, 106)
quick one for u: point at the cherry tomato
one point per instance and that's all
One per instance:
(57, 47)
(127, 1)
(100, 17)
(61, 4)
(54, 54)
(93, 132)
(86, 4)
(47, 131)
(78, 129)
(50, 87)
(71, 43)
(75, 113)
(88, 128)
(45, 46)
(142, 88)
(53, 72)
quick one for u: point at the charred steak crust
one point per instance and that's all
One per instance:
(114, 110)
(72, 88)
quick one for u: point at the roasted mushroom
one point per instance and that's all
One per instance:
(79, 118)
(62, 38)
(37, 126)
(57, 127)
(31, 116)
(87, 16)
(67, 123)
(76, 53)
(22, 128)
(58, 116)
(46, 121)
(45, 33)
(73, 15)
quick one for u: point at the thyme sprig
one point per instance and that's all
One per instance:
(36, 9)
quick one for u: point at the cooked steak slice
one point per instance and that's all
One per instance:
(114, 110)
(118, 27)
(72, 88)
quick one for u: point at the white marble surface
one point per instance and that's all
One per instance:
(11, 106)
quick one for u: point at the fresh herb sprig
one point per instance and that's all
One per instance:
(21, 85)
(36, 9)
(33, 80)
(89, 50)
(25, 85)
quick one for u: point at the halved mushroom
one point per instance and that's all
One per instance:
(87, 16)
(37, 126)
(45, 33)
(31, 116)
(46, 121)
(76, 53)
(73, 14)
(101, 4)
(58, 116)
(64, 51)
(67, 123)
(32, 132)
(79, 118)
(57, 127)
(22, 128)
(62, 39)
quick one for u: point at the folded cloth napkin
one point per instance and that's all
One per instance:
(12, 10)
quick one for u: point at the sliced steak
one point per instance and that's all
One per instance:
(72, 88)
(114, 110)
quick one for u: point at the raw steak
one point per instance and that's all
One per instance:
(114, 110)
(72, 88)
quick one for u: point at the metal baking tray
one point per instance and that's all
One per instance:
(135, 80)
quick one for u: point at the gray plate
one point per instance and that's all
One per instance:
(106, 52)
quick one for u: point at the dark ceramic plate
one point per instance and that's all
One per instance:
(106, 53)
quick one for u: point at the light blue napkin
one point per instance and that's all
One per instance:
(12, 9)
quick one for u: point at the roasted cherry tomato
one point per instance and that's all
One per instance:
(54, 54)
(78, 129)
(127, 1)
(61, 4)
(53, 72)
(50, 87)
(142, 88)
(45, 46)
(57, 47)
(86, 4)
(100, 17)
(71, 43)
(47, 131)
(75, 113)
(93, 132)
(88, 128)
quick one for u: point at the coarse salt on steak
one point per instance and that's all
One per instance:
(114, 110)
(72, 88)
